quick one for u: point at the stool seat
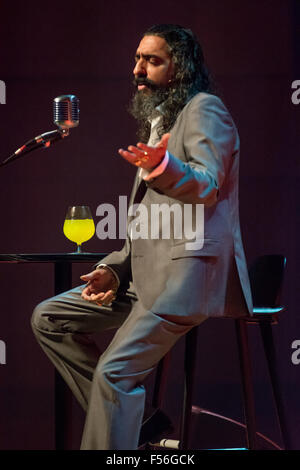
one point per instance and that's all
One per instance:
(265, 313)
(266, 280)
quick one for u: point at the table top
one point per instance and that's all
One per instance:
(50, 257)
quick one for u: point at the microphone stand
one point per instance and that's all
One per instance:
(43, 140)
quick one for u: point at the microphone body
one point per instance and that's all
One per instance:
(43, 140)
(66, 116)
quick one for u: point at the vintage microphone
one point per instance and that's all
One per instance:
(66, 116)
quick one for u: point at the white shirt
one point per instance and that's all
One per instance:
(146, 174)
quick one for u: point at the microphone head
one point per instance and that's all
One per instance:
(66, 111)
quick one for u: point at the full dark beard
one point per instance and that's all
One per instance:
(142, 108)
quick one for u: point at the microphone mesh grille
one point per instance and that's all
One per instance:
(66, 111)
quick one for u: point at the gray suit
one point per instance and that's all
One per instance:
(174, 288)
(203, 169)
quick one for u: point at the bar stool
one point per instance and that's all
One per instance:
(266, 279)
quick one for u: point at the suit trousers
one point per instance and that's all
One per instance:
(108, 385)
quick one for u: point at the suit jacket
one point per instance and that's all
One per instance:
(203, 168)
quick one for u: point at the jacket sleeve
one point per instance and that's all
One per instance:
(209, 138)
(120, 262)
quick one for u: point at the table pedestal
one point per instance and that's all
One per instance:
(62, 282)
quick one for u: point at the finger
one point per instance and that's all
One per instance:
(96, 297)
(87, 293)
(108, 298)
(144, 147)
(166, 137)
(107, 302)
(164, 141)
(88, 277)
(142, 155)
(85, 296)
(136, 151)
(131, 158)
(84, 292)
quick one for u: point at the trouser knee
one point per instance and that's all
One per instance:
(41, 319)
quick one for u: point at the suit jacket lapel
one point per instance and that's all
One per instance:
(138, 191)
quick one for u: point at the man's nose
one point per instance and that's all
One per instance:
(139, 69)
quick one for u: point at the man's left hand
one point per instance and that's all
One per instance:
(145, 156)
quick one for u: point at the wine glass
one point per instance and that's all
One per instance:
(79, 225)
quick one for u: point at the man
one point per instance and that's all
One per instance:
(155, 289)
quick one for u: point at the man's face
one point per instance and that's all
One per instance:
(153, 64)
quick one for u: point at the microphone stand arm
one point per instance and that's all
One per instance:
(43, 140)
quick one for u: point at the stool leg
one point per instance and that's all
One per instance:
(63, 397)
(246, 373)
(189, 378)
(161, 380)
(268, 343)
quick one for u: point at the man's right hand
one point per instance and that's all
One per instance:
(101, 286)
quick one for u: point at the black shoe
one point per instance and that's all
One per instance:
(155, 427)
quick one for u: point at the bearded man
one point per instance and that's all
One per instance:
(155, 289)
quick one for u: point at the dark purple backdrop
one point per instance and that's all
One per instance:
(87, 48)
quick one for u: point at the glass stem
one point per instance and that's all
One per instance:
(78, 249)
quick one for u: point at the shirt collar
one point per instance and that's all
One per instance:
(156, 114)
